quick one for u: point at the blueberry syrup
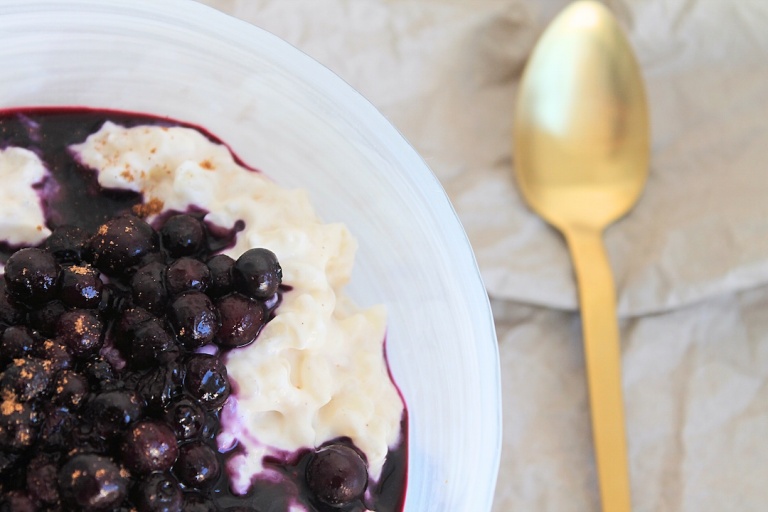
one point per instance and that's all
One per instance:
(121, 411)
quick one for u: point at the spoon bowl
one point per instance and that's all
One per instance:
(581, 146)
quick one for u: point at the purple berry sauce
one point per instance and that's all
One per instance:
(120, 411)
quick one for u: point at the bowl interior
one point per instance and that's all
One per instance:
(288, 116)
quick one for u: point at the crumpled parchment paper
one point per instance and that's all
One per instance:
(691, 260)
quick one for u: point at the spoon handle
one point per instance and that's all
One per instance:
(597, 299)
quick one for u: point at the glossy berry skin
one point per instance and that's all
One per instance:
(148, 287)
(41, 480)
(186, 418)
(31, 276)
(161, 385)
(337, 475)
(16, 342)
(70, 389)
(258, 273)
(45, 318)
(121, 243)
(197, 466)
(149, 446)
(207, 380)
(9, 312)
(112, 411)
(92, 483)
(54, 351)
(222, 280)
(80, 286)
(17, 428)
(195, 502)
(187, 274)
(67, 244)
(182, 235)
(26, 378)
(159, 492)
(152, 345)
(241, 320)
(81, 332)
(194, 319)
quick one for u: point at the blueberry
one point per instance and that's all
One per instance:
(241, 320)
(45, 318)
(152, 345)
(18, 423)
(70, 389)
(56, 428)
(16, 342)
(31, 276)
(9, 312)
(41, 479)
(111, 412)
(114, 301)
(197, 465)
(26, 378)
(258, 273)
(80, 286)
(81, 332)
(337, 475)
(161, 385)
(159, 492)
(100, 374)
(196, 502)
(207, 380)
(148, 287)
(186, 418)
(121, 243)
(92, 483)
(182, 235)
(187, 274)
(67, 244)
(194, 319)
(129, 322)
(56, 353)
(149, 446)
(222, 281)
(17, 501)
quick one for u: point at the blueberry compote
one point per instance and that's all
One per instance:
(107, 401)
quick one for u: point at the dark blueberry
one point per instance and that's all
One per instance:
(198, 465)
(26, 378)
(70, 389)
(159, 492)
(161, 385)
(207, 380)
(67, 244)
(92, 483)
(121, 243)
(17, 501)
(241, 320)
(113, 302)
(112, 411)
(81, 331)
(196, 502)
(9, 313)
(56, 428)
(31, 276)
(149, 446)
(45, 319)
(182, 235)
(8, 461)
(80, 286)
(187, 274)
(18, 423)
(148, 287)
(186, 418)
(222, 281)
(41, 479)
(257, 273)
(152, 345)
(100, 374)
(125, 328)
(55, 352)
(194, 319)
(16, 342)
(337, 475)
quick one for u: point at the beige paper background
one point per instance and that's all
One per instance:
(691, 261)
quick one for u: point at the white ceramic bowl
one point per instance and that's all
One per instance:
(287, 115)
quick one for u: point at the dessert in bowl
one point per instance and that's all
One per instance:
(303, 128)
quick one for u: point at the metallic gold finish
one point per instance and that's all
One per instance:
(581, 146)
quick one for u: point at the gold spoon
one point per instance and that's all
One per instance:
(581, 141)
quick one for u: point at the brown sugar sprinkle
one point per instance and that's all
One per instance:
(127, 175)
(151, 207)
(103, 229)
(79, 270)
(39, 228)
(79, 325)
(153, 150)
(207, 165)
